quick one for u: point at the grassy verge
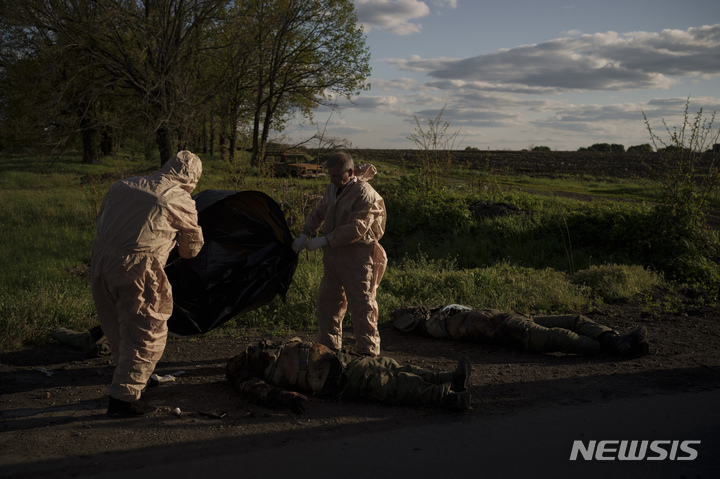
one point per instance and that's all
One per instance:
(551, 254)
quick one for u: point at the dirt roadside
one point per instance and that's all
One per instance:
(52, 399)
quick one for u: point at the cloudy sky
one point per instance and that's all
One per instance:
(513, 74)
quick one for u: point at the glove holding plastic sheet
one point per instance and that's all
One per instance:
(317, 243)
(246, 261)
(300, 243)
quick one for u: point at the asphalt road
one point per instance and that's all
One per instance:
(526, 444)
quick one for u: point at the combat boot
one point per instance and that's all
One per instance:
(633, 343)
(119, 408)
(419, 311)
(410, 319)
(460, 401)
(461, 375)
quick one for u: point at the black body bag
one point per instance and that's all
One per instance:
(246, 261)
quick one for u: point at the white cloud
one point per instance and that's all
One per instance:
(423, 99)
(602, 61)
(445, 3)
(472, 116)
(377, 104)
(488, 87)
(599, 113)
(393, 16)
(416, 63)
(386, 85)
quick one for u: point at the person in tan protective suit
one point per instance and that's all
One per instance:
(141, 219)
(569, 333)
(354, 219)
(276, 374)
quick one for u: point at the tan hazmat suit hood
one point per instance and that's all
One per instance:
(185, 168)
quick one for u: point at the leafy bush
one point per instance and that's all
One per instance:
(612, 282)
(561, 234)
(438, 211)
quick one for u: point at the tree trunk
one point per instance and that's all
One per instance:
(106, 143)
(163, 137)
(212, 136)
(232, 146)
(267, 123)
(221, 144)
(90, 141)
(255, 158)
(204, 137)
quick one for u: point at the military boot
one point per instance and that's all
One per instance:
(410, 319)
(461, 375)
(460, 401)
(633, 343)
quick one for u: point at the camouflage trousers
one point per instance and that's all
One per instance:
(383, 379)
(572, 333)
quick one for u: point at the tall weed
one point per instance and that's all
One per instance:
(690, 161)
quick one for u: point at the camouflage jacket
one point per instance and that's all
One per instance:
(264, 372)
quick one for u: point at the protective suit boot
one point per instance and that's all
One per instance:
(633, 343)
(460, 401)
(119, 408)
(461, 375)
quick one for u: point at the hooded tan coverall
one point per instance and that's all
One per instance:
(354, 262)
(140, 221)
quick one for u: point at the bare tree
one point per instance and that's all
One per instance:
(435, 144)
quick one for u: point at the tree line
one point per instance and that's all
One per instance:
(614, 147)
(187, 72)
(619, 148)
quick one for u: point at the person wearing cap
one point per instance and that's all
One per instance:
(279, 374)
(141, 220)
(353, 217)
(570, 333)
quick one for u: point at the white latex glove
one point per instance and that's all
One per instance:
(300, 243)
(316, 243)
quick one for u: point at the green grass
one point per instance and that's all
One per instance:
(47, 231)
(627, 189)
(559, 254)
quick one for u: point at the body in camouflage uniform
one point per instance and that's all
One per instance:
(272, 374)
(571, 333)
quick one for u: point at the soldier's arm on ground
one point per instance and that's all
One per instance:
(242, 374)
